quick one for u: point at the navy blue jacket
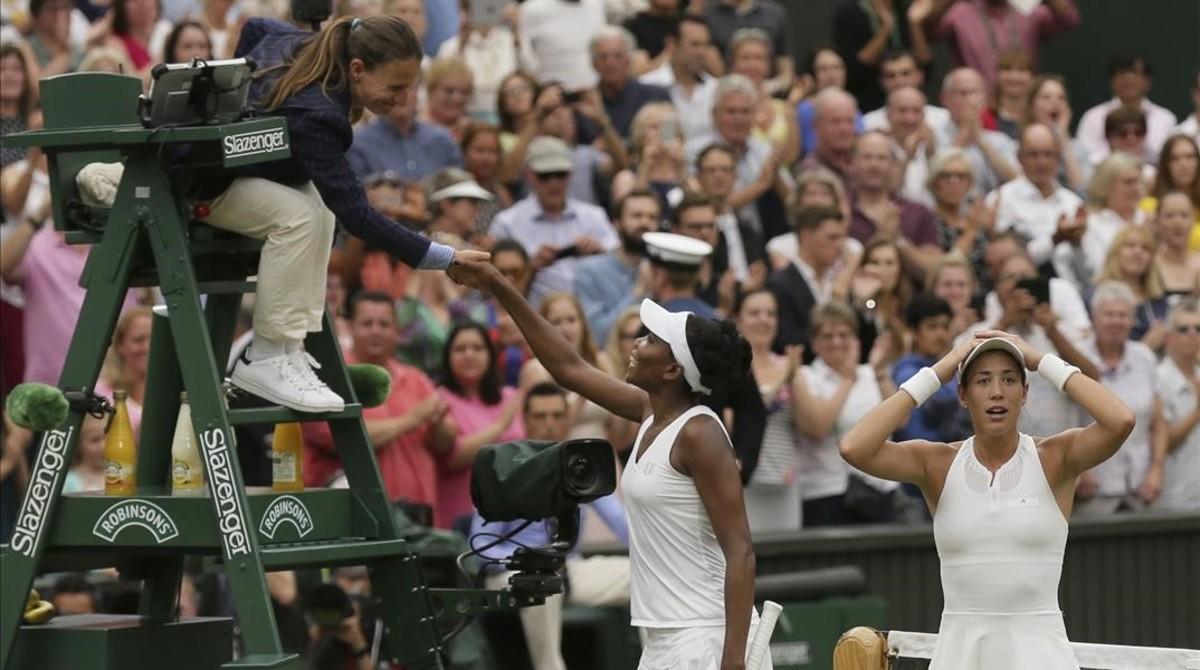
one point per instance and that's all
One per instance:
(320, 133)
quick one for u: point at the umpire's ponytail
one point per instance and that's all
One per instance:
(325, 57)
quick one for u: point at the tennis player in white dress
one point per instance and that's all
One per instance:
(1001, 499)
(691, 560)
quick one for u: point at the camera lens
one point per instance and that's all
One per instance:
(581, 473)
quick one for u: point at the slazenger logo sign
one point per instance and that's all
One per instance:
(289, 509)
(231, 519)
(135, 512)
(31, 520)
(254, 143)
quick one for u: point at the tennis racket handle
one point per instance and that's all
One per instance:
(760, 646)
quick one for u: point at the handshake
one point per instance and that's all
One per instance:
(473, 269)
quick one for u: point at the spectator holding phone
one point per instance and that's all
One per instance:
(1017, 294)
(656, 156)
(555, 230)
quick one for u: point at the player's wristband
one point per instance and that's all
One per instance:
(922, 385)
(1055, 370)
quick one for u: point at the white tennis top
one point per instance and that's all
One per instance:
(1000, 540)
(677, 569)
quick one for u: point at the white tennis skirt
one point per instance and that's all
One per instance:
(980, 641)
(696, 648)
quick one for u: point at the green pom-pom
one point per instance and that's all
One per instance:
(37, 407)
(371, 383)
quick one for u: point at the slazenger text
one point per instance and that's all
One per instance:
(230, 517)
(254, 143)
(32, 517)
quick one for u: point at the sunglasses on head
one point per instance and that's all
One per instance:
(550, 176)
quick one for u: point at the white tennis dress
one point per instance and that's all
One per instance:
(677, 568)
(1000, 541)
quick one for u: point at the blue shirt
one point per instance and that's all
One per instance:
(805, 115)
(622, 107)
(537, 534)
(941, 418)
(694, 305)
(604, 286)
(320, 134)
(528, 224)
(426, 148)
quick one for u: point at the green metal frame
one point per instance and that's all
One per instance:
(146, 239)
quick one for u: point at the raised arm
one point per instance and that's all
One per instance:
(558, 356)
(1081, 449)
(707, 457)
(866, 446)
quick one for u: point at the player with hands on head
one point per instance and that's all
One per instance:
(1000, 498)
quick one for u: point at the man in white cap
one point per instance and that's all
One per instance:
(555, 230)
(454, 199)
(675, 261)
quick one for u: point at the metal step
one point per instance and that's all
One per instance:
(264, 661)
(275, 414)
(331, 554)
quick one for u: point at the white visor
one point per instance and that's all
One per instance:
(671, 327)
(463, 189)
(992, 344)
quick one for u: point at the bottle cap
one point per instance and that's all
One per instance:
(120, 394)
(183, 396)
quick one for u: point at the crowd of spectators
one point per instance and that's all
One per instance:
(864, 212)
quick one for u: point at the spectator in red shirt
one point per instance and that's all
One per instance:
(407, 430)
(980, 30)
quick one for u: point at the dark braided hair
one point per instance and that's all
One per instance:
(722, 356)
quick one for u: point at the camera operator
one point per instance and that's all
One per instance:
(338, 640)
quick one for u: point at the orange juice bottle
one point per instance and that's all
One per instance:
(287, 447)
(120, 452)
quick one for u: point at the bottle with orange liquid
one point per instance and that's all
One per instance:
(120, 452)
(287, 447)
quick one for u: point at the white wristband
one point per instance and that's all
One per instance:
(922, 385)
(1055, 370)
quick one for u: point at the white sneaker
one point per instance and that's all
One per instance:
(305, 364)
(287, 381)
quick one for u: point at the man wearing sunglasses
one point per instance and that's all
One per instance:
(1179, 383)
(1129, 76)
(556, 230)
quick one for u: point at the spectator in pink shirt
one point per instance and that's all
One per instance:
(38, 258)
(485, 411)
(407, 429)
(127, 362)
(980, 30)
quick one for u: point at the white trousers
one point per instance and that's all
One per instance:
(298, 229)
